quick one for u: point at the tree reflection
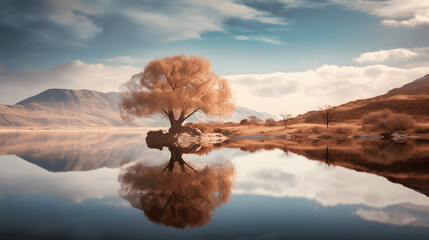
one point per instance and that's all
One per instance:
(178, 197)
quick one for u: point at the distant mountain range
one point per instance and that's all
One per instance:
(66, 108)
(412, 99)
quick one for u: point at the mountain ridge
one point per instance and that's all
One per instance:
(65, 108)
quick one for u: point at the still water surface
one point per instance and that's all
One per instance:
(89, 185)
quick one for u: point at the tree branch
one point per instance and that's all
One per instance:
(191, 114)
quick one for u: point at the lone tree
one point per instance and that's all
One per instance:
(286, 117)
(328, 113)
(177, 87)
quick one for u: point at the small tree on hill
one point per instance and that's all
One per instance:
(328, 113)
(286, 117)
(177, 87)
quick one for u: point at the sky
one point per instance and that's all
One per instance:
(280, 56)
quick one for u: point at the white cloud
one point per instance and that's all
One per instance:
(396, 13)
(265, 39)
(299, 92)
(125, 59)
(383, 55)
(74, 14)
(415, 21)
(16, 85)
(398, 218)
(188, 19)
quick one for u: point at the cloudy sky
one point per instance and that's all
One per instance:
(279, 55)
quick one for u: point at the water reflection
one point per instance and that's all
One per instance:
(62, 151)
(183, 188)
(405, 163)
(177, 194)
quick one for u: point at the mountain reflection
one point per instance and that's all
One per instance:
(60, 151)
(181, 197)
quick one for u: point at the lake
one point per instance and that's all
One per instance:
(110, 185)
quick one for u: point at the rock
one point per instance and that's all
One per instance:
(399, 136)
(189, 137)
(185, 140)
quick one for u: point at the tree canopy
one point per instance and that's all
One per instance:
(177, 87)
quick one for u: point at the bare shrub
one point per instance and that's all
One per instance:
(270, 122)
(328, 113)
(375, 117)
(286, 117)
(396, 122)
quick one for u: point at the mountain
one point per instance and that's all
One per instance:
(411, 99)
(66, 108)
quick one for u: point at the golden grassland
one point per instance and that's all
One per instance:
(316, 131)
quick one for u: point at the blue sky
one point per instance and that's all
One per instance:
(329, 50)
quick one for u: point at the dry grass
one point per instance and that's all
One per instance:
(421, 128)
(397, 122)
(374, 117)
(386, 120)
(316, 129)
(202, 126)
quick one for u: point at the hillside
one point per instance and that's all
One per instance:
(66, 108)
(412, 99)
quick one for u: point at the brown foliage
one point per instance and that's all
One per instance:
(255, 119)
(397, 122)
(316, 129)
(386, 120)
(244, 121)
(270, 122)
(374, 117)
(177, 87)
(179, 197)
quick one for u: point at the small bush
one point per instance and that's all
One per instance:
(255, 118)
(299, 131)
(244, 121)
(343, 129)
(396, 122)
(270, 122)
(316, 129)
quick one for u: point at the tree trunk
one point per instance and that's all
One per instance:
(175, 124)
